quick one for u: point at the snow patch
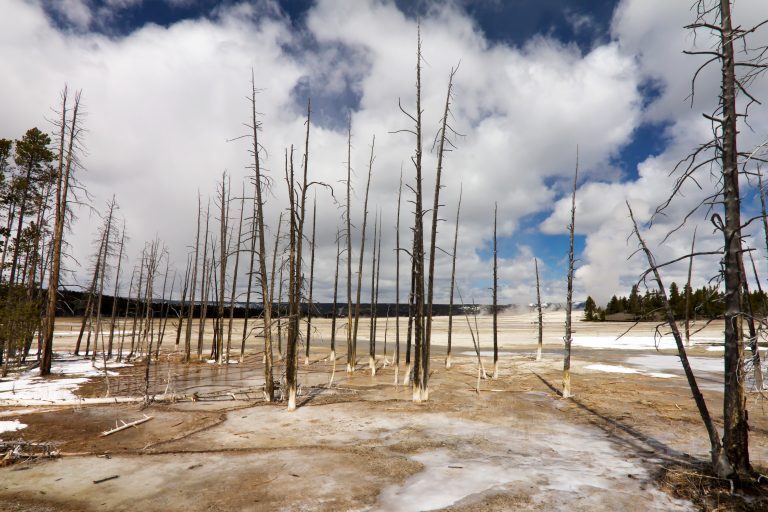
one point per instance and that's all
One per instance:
(68, 372)
(610, 368)
(11, 426)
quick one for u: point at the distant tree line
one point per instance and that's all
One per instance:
(705, 302)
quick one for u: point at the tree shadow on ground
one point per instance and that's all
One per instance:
(625, 435)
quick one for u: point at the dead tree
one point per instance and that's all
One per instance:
(247, 312)
(538, 306)
(688, 291)
(569, 292)
(88, 314)
(495, 298)
(350, 346)
(719, 457)
(351, 361)
(372, 328)
(397, 281)
(204, 285)
(376, 298)
(420, 366)
(259, 181)
(192, 296)
(154, 255)
(125, 317)
(105, 254)
(233, 294)
(115, 294)
(311, 282)
(715, 19)
(332, 357)
(441, 149)
(184, 291)
(453, 281)
(280, 286)
(224, 197)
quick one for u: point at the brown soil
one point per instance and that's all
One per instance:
(625, 442)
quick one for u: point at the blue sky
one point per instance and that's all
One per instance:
(164, 82)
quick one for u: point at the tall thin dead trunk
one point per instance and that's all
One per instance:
(569, 293)
(247, 312)
(420, 365)
(204, 286)
(453, 281)
(280, 291)
(184, 291)
(266, 290)
(688, 292)
(233, 295)
(397, 281)
(433, 239)
(104, 255)
(351, 361)
(375, 315)
(311, 282)
(371, 329)
(335, 299)
(719, 458)
(192, 295)
(115, 295)
(360, 262)
(495, 298)
(224, 197)
(736, 428)
(538, 307)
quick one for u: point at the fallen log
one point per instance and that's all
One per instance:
(126, 426)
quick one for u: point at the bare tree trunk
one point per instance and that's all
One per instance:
(754, 336)
(569, 293)
(89, 305)
(538, 306)
(362, 254)
(688, 295)
(266, 290)
(224, 197)
(375, 318)
(719, 458)
(495, 299)
(311, 282)
(115, 295)
(433, 240)
(280, 292)
(453, 281)
(335, 299)
(182, 312)
(233, 295)
(736, 429)
(125, 317)
(164, 308)
(204, 286)
(247, 313)
(137, 310)
(409, 332)
(372, 328)
(397, 282)
(153, 258)
(104, 255)
(351, 362)
(420, 366)
(192, 297)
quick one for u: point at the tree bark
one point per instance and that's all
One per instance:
(569, 293)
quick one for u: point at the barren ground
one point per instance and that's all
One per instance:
(629, 440)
